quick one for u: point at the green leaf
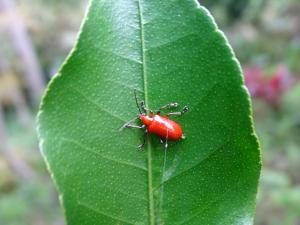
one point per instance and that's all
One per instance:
(170, 51)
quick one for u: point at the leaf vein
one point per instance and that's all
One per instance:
(86, 148)
(144, 70)
(96, 104)
(164, 44)
(208, 206)
(104, 213)
(182, 173)
(121, 56)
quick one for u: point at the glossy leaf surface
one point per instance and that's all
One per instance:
(170, 51)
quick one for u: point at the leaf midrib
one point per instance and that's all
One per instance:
(144, 67)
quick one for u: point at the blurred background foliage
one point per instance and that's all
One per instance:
(37, 35)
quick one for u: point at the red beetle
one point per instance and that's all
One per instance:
(162, 126)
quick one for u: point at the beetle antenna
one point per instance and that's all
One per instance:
(137, 104)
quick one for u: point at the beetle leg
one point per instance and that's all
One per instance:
(134, 126)
(128, 124)
(142, 104)
(169, 106)
(164, 142)
(183, 111)
(141, 146)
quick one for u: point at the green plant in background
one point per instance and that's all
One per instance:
(168, 51)
(279, 193)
